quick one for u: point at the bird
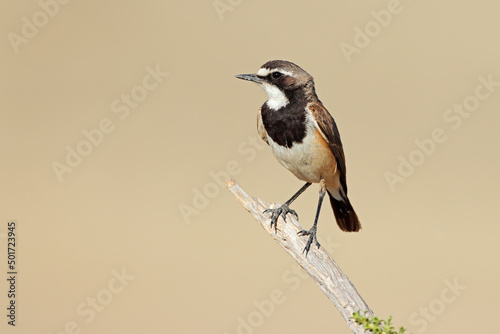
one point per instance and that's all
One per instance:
(304, 138)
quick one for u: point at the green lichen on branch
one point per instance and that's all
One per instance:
(375, 325)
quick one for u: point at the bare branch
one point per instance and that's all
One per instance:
(318, 263)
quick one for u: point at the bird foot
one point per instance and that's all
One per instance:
(281, 211)
(312, 237)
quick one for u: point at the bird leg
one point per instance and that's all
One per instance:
(312, 232)
(285, 209)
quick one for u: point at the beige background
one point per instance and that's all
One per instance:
(120, 208)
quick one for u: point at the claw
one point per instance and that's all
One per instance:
(281, 211)
(312, 237)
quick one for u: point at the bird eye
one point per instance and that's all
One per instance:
(276, 75)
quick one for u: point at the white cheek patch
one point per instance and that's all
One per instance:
(277, 99)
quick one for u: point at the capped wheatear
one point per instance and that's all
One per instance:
(304, 138)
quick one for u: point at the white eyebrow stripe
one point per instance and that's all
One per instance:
(287, 73)
(264, 72)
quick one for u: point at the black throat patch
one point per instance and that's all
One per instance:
(286, 125)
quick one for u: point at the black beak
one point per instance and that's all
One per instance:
(249, 77)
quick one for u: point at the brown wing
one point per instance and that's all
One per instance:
(329, 130)
(260, 127)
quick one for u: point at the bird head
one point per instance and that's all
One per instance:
(282, 81)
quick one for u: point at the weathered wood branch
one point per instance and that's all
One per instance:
(318, 263)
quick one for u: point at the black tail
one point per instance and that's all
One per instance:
(344, 214)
